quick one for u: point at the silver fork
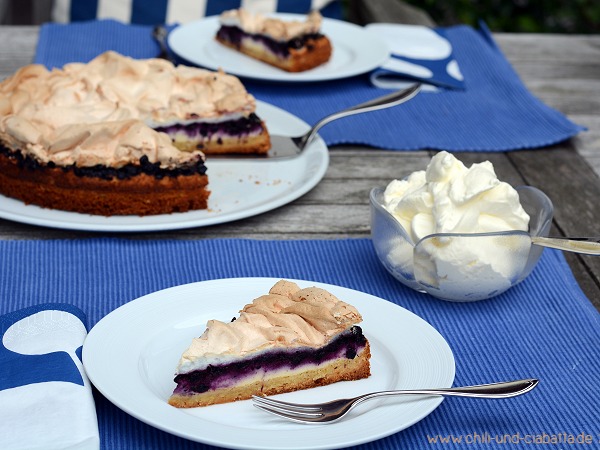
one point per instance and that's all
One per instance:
(331, 411)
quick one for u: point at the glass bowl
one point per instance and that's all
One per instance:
(461, 267)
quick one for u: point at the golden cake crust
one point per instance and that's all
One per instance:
(316, 50)
(53, 187)
(314, 53)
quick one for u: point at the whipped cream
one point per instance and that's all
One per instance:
(448, 197)
(76, 115)
(277, 29)
(287, 317)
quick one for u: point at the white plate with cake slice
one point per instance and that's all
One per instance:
(240, 188)
(131, 355)
(355, 51)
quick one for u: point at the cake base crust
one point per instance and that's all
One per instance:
(143, 194)
(322, 375)
(314, 53)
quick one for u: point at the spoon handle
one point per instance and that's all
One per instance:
(585, 245)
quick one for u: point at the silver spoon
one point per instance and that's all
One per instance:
(584, 245)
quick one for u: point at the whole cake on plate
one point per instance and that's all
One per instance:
(120, 136)
(294, 46)
(286, 340)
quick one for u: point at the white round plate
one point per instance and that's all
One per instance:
(131, 356)
(355, 51)
(239, 188)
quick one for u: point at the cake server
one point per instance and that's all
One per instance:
(292, 146)
(332, 411)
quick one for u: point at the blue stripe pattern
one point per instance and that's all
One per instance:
(83, 10)
(214, 7)
(296, 6)
(151, 12)
(545, 327)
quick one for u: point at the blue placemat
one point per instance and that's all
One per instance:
(545, 327)
(495, 112)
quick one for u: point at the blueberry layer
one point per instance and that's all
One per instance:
(347, 345)
(234, 128)
(234, 35)
(108, 173)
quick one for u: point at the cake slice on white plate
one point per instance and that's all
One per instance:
(287, 340)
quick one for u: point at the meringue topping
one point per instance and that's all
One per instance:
(98, 113)
(276, 29)
(286, 317)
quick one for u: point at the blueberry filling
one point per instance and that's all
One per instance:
(347, 345)
(234, 35)
(240, 127)
(108, 173)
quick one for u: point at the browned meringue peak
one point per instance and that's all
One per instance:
(113, 144)
(286, 317)
(42, 111)
(114, 85)
(277, 29)
(70, 115)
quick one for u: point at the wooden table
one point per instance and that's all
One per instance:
(563, 71)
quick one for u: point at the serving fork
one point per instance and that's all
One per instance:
(334, 410)
(160, 33)
(291, 146)
(286, 146)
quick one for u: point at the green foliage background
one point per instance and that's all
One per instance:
(531, 16)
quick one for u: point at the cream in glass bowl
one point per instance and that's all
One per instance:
(458, 233)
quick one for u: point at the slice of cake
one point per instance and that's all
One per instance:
(199, 109)
(120, 136)
(119, 168)
(293, 46)
(287, 340)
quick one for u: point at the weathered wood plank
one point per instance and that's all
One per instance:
(573, 188)
(18, 48)
(587, 142)
(300, 219)
(359, 162)
(576, 50)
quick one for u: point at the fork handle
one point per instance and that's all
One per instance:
(495, 390)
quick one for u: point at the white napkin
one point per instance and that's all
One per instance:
(416, 53)
(46, 399)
